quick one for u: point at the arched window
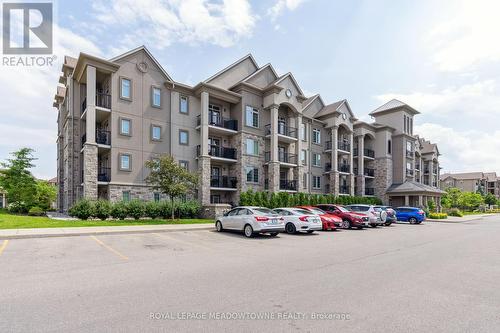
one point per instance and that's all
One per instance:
(389, 147)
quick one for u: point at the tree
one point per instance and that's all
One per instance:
(470, 200)
(168, 177)
(490, 199)
(451, 198)
(17, 181)
(46, 194)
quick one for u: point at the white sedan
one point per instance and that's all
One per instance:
(297, 219)
(251, 220)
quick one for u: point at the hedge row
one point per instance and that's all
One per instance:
(438, 216)
(285, 199)
(103, 209)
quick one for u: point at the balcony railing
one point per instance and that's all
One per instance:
(355, 152)
(344, 189)
(345, 146)
(218, 151)
(434, 184)
(344, 168)
(104, 174)
(409, 154)
(369, 191)
(103, 100)
(103, 137)
(288, 185)
(409, 172)
(328, 167)
(283, 157)
(215, 119)
(328, 145)
(369, 153)
(417, 167)
(283, 129)
(223, 181)
(369, 172)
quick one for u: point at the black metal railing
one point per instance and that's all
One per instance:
(409, 172)
(417, 167)
(104, 174)
(328, 145)
(103, 100)
(369, 191)
(283, 157)
(215, 119)
(288, 185)
(344, 189)
(283, 129)
(369, 172)
(355, 171)
(328, 167)
(218, 151)
(355, 152)
(369, 153)
(343, 167)
(223, 181)
(426, 170)
(345, 146)
(409, 154)
(434, 184)
(103, 137)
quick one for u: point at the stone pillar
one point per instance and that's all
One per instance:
(90, 147)
(298, 152)
(351, 162)
(407, 200)
(420, 201)
(91, 93)
(360, 177)
(204, 159)
(431, 175)
(334, 173)
(274, 165)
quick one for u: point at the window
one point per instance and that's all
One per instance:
(125, 127)
(125, 88)
(157, 197)
(184, 105)
(389, 147)
(411, 126)
(303, 157)
(252, 116)
(252, 174)
(125, 164)
(316, 160)
(155, 132)
(183, 137)
(252, 147)
(316, 182)
(126, 196)
(409, 146)
(316, 136)
(184, 165)
(156, 97)
(303, 133)
(408, 166)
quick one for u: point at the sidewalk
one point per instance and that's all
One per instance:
(455, 219)
(84, 231)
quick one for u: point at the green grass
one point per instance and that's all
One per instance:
(10, 221)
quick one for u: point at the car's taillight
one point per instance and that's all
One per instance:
(303, 218)
(261, 218)
(421, 212)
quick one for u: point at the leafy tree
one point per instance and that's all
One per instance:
(17, 181)
(451, 197)
(470, 200)
(490, 199)
(168, 177)
(46, 194)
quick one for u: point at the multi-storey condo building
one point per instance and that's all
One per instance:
(481, 182)
(246, 127)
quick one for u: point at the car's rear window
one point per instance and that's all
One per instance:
(263, 211)
(343, 209)
(317, 211)
(301, 211)
(360, 208)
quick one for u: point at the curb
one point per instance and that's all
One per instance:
(97, 233)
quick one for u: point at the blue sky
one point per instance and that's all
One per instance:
(441, 57)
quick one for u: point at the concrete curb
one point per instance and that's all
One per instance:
(97, 233)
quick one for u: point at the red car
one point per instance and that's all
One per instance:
(349, 219)
(329, 221)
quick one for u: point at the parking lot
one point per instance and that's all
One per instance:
(428, 277)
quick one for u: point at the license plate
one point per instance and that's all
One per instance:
(273, 221)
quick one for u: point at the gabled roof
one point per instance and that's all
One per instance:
(463, 175)
(150, 55)
(491, 176)
(393, 104)
(330, 108)
(260, 71)
(411, 186)
(248, 56)
(290, 75)
(310, 100)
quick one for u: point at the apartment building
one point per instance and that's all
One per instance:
(246, 127)
(481, 182)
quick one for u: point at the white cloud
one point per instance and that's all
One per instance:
(468, 38)
(472, 150)
(161, 23)
(281, 5)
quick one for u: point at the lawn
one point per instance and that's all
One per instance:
(9, 221)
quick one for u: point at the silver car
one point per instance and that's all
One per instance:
(251, 220)
(297, 219)
(376, 214)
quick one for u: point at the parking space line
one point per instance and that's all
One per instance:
(181, 241)
(109, 248)
(4, 245)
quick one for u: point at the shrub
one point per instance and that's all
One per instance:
(83, 209)
(165, 210)
(188, 209)
(135, 209)
(35, 211)
(18, 208)
(438, 216)
(152, 209)
(102, 209)
(119, 210)
(455, 212)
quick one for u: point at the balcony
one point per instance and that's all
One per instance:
(346, 168)
(409, 154)
(344, 146)
(355, 152)
(103, 137)
(344, 189)
(434, 184)
(328, 167)
(369, 172)
(219, 152)
(288, 185)
(223, 182)
(409, 172)
(370, 153)
(104, 174)
(328, 145)
(84, 139)
(219, 123)
(417, 167)
(103, 100)
(426, 170)
(369, 191)
(285, 133)
(283, 157)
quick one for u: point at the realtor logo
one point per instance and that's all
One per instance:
(27, 28)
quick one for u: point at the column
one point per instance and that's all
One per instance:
(361, 166)
(204, 159)
(90, 147)
(407, 200)
(274, 165)
(334, 173)
(431, 175)
(420, 201)
(351, 162)
(298, 152)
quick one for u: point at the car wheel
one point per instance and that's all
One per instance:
(218, 226)
(373, 225)
(273, 234)
(346, 224)
(412, 220)
(290, 228)
(248, 231)
(388, 224)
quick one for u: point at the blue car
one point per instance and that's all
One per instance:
(410, 214)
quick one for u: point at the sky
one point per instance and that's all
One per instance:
(440, 57)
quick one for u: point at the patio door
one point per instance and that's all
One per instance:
(282, 125)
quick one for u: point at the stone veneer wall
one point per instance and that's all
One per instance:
(139, 192)
(383, 177)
